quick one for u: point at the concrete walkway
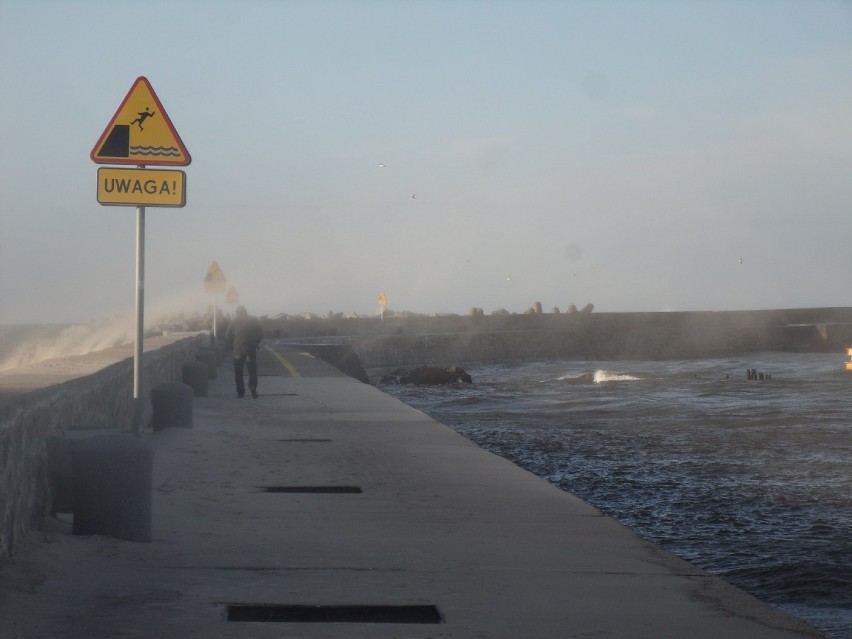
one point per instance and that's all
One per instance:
(330, 509)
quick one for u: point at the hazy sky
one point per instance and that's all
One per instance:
(636, 155)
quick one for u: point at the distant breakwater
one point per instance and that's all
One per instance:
(412, 340)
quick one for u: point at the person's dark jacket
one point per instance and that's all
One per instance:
(244, 333)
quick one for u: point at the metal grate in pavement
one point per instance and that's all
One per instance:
(333, 614)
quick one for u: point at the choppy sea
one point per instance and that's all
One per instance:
(748, 479)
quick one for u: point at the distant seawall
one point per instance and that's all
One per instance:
(51, 400)
(401, 341)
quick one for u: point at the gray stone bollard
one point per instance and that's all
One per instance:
(59, 472)
(171, 403)
(219, 349)
(112, 476)
(196, 374)
(209, 357)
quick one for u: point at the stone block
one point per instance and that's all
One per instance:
(196, 374)
(171, 404)
(210, 359)
(112, 477)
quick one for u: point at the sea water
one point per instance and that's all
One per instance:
(750, 479)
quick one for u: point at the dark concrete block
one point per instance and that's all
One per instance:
(196, 375)
(171, 403)
(59, 471)
(209, 357)
(112, 476)
(220, 350)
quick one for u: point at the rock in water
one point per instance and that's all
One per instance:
(436, 376)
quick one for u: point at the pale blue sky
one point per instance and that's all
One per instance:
(626, 154)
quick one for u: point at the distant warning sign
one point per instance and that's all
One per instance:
(232, 297)
(141, 187)
(214, 281)
(140, 132)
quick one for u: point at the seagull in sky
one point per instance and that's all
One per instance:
(381, 166)
(741, 260)
(414, 196)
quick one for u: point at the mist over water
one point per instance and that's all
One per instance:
(750, 480)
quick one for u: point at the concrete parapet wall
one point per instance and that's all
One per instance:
(686, 323)
(646, 343)
(604, 336)
(51, 399)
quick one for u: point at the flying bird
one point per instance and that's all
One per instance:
(381, 166)
(414, 196)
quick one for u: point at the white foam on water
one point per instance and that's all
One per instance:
(602, 376)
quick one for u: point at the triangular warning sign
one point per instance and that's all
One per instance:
(140, 132)
(214, 280)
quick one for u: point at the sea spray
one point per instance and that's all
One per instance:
(600, 376)
(24, 344)
(77, 339)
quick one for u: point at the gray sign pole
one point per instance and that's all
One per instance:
(140, 318)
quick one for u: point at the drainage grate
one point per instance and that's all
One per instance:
(333, 614)
(336, 490)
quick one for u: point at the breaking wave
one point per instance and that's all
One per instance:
(598, 377)
(31, 344)
(26, 344)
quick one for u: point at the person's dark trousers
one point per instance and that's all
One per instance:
(250, 362)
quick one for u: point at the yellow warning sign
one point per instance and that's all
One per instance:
(141, 187)
(140, 132)
(232, 297)
(214, 281)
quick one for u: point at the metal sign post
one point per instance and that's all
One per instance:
(214, 282)
(232, 297)
(140, 318)
(215, 312)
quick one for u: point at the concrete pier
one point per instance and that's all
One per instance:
(327, 508)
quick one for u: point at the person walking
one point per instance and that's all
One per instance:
(244, 335)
